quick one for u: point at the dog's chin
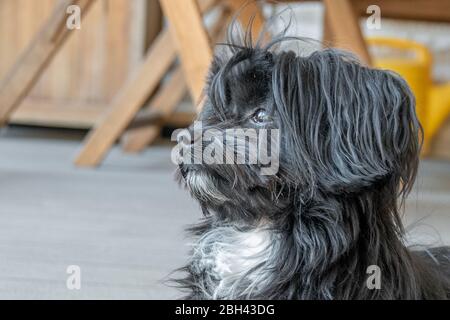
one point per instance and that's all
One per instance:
(203, 186)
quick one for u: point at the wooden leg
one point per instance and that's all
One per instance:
(131, 97)
(345, 28)
(165, 102)
(154, 22)
(30, 65)
(327, 38)
(129, 101)
(192, 42)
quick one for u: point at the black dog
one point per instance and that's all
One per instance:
(348, 157)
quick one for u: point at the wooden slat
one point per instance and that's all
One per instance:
(346, 31)
(43, 112)
(129, 101)
(168, 98)
(131, 97)
(117, 26)
(181, 119)
(154, 22)
(327, 37)
(206, 5)
(426, 10)
(36, 57)
(80, 72)
(191, 40)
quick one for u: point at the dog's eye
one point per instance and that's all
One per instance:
(261, 116)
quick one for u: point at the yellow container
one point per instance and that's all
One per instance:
(412, 61)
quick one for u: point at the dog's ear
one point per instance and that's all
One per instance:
(354, 126)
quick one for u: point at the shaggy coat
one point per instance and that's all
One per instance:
(349, 152)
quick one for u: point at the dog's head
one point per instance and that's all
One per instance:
(344, 129)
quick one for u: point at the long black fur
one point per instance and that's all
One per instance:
(349, 156)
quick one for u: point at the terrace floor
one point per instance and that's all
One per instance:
(122, 223)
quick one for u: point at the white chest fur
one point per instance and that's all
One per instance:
(232, 260)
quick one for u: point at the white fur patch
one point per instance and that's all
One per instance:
(242, 255)
(202, 186)
(232, 260)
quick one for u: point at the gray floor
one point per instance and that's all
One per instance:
(122, 223)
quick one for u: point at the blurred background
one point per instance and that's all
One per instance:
(90, 91)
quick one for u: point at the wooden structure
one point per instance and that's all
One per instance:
(75, 89)
(186, 38)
